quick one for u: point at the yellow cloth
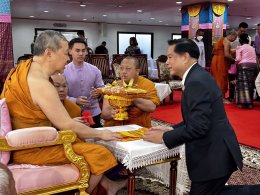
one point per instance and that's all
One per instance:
(72, 108)
(132, 135)
(136, 115)
(25, 114)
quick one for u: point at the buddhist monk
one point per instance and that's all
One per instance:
(139, 113)
(221, 60)
(61, 86)
(7, 183)
(33, 101)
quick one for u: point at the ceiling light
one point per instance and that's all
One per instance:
(129, 22)
(248, 18)
(160, 21)
(31, 16)
(84, 19)
(166, 24)
(82, 4)
(178, 2)
(46, 11)
(230, 0)
(139, 11)
(179, 9)
(104, 15)
(152, 18)
(68, 16)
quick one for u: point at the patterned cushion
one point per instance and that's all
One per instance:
(175, 84)
(116, 69)
(5, 127)
(164, 71)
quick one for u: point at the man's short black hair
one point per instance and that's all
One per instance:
(185, 46)
(81, 32)
(76, 40)
(243, 25)
(258, 24)
(104, 42)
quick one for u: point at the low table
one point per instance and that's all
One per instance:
(140, 153)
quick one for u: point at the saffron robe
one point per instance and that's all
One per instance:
(24, 113)
(219, 66)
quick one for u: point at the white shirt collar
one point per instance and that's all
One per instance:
(186, 73)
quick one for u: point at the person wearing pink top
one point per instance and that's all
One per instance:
(246, 72)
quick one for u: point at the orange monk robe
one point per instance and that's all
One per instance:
(24, 113)
(136, 115)
(219, 66)
(72, 108)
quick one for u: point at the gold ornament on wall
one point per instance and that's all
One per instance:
(194, 10)
(218, 8)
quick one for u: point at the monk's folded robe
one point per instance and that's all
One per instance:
(24, 113)
(132, 135)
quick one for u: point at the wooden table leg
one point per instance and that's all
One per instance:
(131, 182)
(173, 177)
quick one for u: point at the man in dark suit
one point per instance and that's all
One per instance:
(212, 149)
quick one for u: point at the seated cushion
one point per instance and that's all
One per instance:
(31, 136)
(164, 71)
(33, 177)
(175, 84)
(5, 127)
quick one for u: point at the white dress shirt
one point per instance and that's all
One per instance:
(185, 75)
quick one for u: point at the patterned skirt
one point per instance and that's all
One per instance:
(245, 83)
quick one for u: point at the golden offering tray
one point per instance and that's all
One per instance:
(121, 97)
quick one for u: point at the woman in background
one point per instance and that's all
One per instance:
(133, 48)
(246, 67)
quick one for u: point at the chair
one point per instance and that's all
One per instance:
(101, 61)
(142, 58)
(165, 76)
(88, 58)
(42, 180)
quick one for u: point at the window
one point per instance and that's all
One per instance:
(176, 36)
(69, 34)
(145, 42)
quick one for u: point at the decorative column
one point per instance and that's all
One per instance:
(211, 17)
(6, 42)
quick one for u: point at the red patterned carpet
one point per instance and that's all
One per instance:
(246, 122)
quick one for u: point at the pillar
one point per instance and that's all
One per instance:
(6, 42)
(211, 17)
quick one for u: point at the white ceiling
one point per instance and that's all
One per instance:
(125, 11)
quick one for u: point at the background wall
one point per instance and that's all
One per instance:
(23, 33)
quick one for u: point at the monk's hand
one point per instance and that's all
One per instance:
(154, 136)
(93, 93)
(107, 135)
(83, 101)
(161, 128)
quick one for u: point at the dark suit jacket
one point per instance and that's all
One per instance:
(212, 149)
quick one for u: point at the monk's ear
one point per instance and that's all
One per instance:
(48, 52)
